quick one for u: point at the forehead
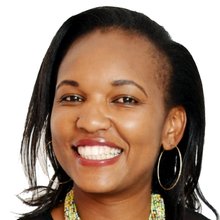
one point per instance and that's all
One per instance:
(111, 51)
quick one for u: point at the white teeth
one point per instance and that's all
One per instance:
(98, 152)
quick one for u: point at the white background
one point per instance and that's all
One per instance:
(26, 29)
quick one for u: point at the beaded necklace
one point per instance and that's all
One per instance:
(157, 207)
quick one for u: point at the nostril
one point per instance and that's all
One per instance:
(92, 122)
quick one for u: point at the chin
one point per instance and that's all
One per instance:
(98, 187)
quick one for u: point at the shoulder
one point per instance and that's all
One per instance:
(192, 215)
(44, 216)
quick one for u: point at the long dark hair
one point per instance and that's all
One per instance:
(184, 89)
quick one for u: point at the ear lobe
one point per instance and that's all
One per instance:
(174, 127)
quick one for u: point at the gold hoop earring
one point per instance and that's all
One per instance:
(60, 183)
(179, 173)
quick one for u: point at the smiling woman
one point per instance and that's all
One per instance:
(108, 112)
(114, 94)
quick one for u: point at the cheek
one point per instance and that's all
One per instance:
(142, 129)
(142, 133)
(61, 125)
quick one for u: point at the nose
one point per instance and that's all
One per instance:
(93, 119)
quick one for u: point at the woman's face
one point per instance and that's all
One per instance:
(108, 112)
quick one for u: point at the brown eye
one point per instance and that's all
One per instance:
(72, 98)
(127, 100)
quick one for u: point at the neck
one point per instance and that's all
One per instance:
(123, 206)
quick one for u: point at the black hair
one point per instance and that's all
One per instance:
(184, 89)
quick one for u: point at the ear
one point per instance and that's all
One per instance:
(174, 127)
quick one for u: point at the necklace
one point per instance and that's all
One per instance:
(157, 207)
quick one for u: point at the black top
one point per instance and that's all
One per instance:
(189, 215)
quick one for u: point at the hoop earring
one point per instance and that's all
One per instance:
(60, 183)
(179, 173)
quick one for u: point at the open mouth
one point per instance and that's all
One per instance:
(97, 152)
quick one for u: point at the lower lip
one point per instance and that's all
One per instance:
(87, 162)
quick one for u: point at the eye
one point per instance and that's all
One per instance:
(72, 99)
(126, 100)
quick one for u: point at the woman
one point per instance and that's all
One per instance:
(118, 108)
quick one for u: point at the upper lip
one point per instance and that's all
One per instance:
(94, 142)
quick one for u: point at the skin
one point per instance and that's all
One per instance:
(131, 115)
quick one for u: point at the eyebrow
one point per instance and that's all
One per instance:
(68, 83)
(123, 82)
